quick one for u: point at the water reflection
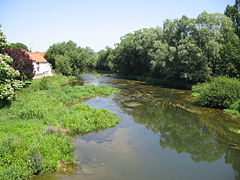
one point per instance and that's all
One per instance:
(201, 132)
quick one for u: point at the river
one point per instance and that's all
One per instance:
(162, 135)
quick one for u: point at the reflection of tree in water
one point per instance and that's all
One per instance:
(188, 132)
(181, 131)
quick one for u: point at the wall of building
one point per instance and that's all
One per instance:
(42, 68)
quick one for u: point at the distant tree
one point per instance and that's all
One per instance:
(233, 12)
(75, 58)
(186, 50)
(21, 62)
(19, 46)
(104, 59)
(64, 49)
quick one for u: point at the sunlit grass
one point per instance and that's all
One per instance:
(35, 130)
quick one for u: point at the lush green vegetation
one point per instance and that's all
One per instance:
(220, 92)
(8, 75)
(35, 130)
(182, 53)
(20, 46)
(233, 12)
(189, 50)
(68, 59)
(105, 59)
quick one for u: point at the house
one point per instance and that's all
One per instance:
(42, 67)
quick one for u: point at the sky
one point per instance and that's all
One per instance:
(92, 23)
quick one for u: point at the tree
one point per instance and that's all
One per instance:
(3, 41)
(63, 64)
(186, 50)
(20, 46)
(233, 12)
(230, 64)
(77, 59)
(132, 54)
(8, 82)
(64, 49)
(21, 62)
(105, 59)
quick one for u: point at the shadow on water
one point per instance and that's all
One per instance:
(162, 135)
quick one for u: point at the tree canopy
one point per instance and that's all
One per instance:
(69, 59)
(233, 12)
(19, 46)
(189, 50)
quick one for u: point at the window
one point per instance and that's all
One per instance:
(38, 68)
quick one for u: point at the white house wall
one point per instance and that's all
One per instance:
(42, 68)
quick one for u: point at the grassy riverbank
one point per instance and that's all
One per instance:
(35, 130)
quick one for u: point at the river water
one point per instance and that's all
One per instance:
(162, 136)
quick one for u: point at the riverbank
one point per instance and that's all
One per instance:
(149, 142)
(35, 131)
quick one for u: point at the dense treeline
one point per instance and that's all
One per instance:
(69, 59)
(233, 12)
(189, 50)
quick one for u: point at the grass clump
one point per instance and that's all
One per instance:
(234, 108)
(35, 130)
(220, 92)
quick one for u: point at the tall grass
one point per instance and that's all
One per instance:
(35, 130)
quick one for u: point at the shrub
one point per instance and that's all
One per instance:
(220, 92)
(234, 108)
(8, 84)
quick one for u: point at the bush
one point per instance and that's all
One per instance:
(220, 92)
(234, 108)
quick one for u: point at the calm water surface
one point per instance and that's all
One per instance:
(162, 136)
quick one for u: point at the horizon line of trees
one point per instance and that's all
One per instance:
(189, 50)
(69, 59)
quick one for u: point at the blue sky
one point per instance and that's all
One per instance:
(92, 23)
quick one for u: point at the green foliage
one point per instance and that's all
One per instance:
(20, 46)
(8, 76)
(233, 12)
(188, 50)
(69, 59)
(34, 131)
(8, 84)
(234, 108)
(105, 59)
(230, 63)
(220, 92)
(68, 94)
(3, 41)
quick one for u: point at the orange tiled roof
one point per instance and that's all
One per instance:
(37, 56)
